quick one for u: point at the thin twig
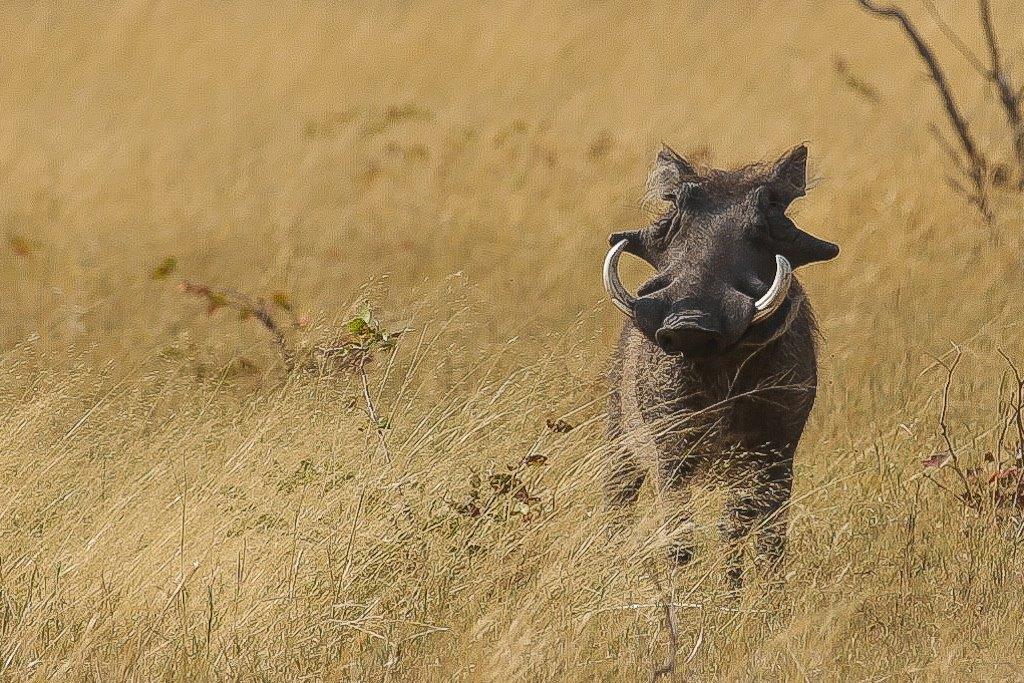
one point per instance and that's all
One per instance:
(968, 494)
(1018, 407)
(637, 606)
(256, 308)
(371, 411)
(947, 147)
(669, 607)
(950, 369)
(953, 38)
(261, 312)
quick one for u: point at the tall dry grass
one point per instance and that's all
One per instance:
(174, 506)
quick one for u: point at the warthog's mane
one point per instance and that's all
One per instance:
(719, 184)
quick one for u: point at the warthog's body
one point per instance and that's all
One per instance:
(737, 419)
(706, 381)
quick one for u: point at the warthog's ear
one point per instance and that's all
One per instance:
(670, 175)
(635, 242)
(788, 176)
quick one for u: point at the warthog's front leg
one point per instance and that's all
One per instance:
(759, 505)
(623, 479)
(674, 478)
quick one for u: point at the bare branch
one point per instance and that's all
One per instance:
(261, 312)
(972, 197)
(976, 160)
(1001, 80)
(946, 147)
(990, 35)
(248, 307)
(856, 83)
(950, 369)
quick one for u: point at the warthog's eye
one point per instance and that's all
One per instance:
(690, 197)
(668, 226)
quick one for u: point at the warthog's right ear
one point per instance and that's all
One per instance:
(670, 176)
(788, 176)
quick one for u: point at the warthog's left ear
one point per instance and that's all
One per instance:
(635, 242)
(670, 175)
(788, 176)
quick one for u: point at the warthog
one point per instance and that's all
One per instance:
(716, 367)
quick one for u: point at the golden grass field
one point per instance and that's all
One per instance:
(174, 505)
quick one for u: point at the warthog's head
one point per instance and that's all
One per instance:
(724, 252)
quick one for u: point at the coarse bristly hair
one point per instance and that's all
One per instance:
(743, 404)
(670, 173)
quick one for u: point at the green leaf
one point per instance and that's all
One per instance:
(283, 301)
(357, 326)
(215, 301)
(165, 268)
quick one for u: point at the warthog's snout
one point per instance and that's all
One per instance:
(694, 335)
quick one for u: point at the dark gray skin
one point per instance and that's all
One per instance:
(696, 388)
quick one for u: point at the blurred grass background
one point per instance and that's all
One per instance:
(175, 507)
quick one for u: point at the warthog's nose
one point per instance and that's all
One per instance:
(689, 338)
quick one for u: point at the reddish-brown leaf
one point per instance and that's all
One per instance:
(559, 426)
(19, 245)
(937, 459)
(1004, 474)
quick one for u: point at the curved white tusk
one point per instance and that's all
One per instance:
(776, 294)
(622, 299)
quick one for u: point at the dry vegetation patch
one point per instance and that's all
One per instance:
(184, 496)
